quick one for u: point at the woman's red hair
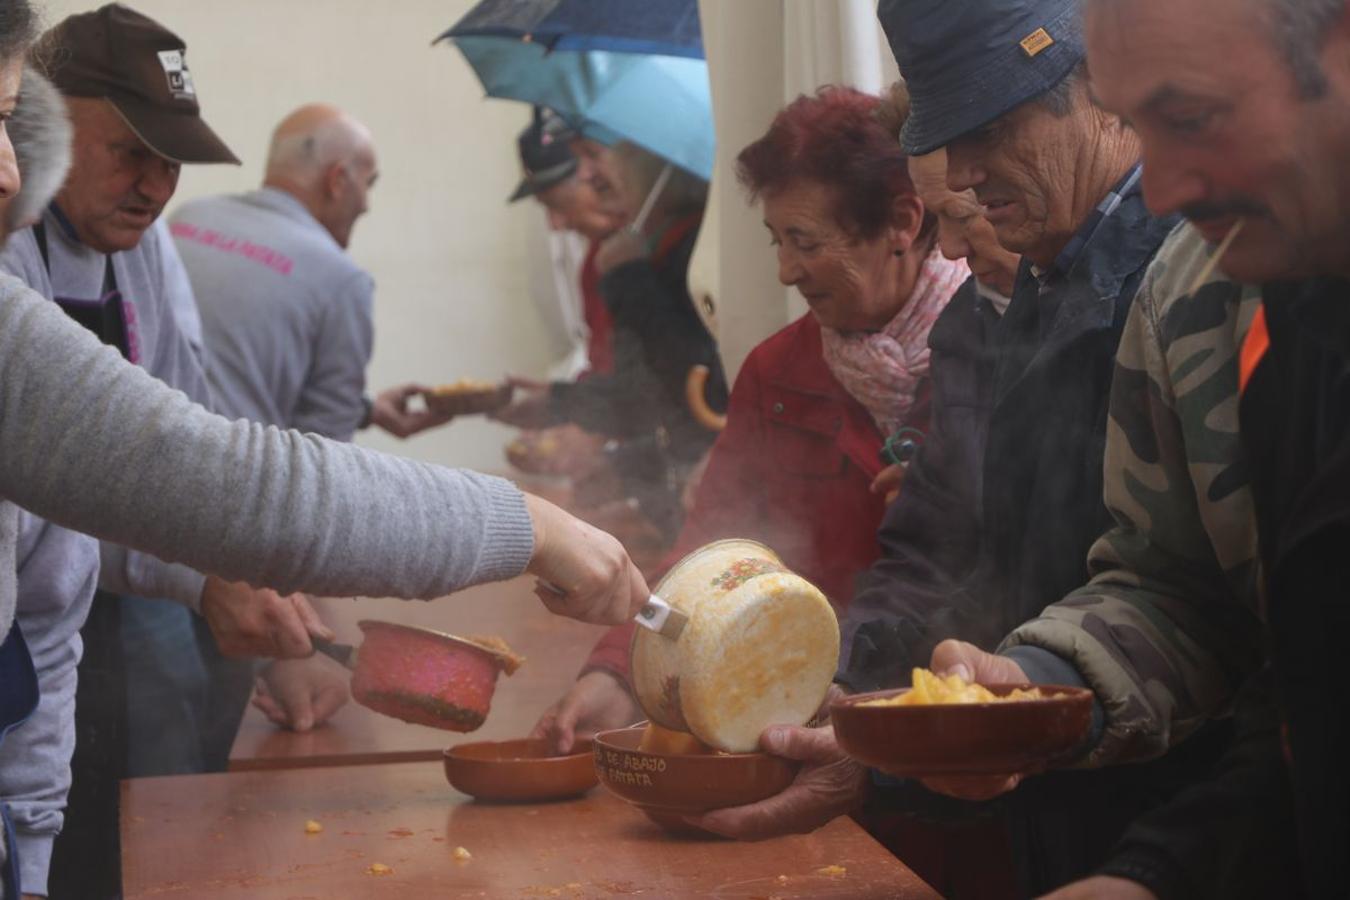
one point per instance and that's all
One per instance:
(833, 138)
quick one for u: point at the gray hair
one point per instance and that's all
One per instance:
(19, 25)
(41, 134)
(1058, 101)
(1300, 28)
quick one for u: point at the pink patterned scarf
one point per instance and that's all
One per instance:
(882, 370)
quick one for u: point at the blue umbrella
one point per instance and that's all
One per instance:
(661, 103)
(667, 27)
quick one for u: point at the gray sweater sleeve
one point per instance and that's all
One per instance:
(98, 445)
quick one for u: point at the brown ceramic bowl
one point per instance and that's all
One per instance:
(669, 786)
(1015, 737)
(519, 770)
(454, 400)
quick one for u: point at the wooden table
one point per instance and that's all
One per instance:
(554, 648)
(242, 835)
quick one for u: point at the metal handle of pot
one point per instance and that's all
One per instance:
(342, 654)
(655, 615)
(659, 616)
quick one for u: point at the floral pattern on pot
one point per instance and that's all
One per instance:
(741, 571)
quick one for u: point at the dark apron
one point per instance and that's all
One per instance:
(110, 317)
(83, 866)
(18, 699)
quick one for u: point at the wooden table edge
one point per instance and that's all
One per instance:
(271, 764)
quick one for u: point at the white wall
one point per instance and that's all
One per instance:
(761, 55)
(733, 261)
(448, 254)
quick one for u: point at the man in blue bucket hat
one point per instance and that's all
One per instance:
(967, 64)
(1000, 85)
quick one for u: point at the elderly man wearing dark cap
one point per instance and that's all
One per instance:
(550, 177)
(133, 105)
(1000, 85)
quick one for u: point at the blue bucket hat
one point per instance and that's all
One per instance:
(967, 62)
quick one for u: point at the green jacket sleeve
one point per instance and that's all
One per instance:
(1167, 628)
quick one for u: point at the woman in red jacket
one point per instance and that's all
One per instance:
(798, 464)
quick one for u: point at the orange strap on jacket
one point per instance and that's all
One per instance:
(1254, 347)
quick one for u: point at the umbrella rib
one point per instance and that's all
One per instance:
(640, 220)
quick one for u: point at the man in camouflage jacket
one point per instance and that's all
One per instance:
(1168, 627)
(1167, 632)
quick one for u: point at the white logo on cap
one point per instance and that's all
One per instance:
(176, 71)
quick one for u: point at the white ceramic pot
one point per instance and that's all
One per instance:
(760, 647)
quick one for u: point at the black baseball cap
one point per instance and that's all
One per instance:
(138, 66)
(544, 155)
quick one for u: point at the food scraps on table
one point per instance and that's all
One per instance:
(461, 855)
(572, 889)
(379, 869)
(934, 690)
(832, 870)
(312, 827)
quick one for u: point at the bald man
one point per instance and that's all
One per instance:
(286, 312)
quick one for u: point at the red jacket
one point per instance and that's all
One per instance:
(600, 345)
(792, 469)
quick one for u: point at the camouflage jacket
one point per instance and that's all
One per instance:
(1168, 629)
